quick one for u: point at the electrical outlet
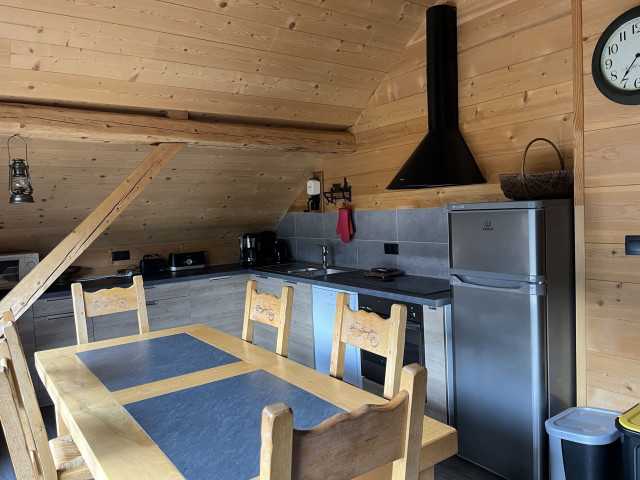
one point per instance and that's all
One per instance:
(391, 248)
(120, 255)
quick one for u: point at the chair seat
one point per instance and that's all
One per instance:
(68, 460)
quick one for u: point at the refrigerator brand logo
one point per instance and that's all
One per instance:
(487, 226)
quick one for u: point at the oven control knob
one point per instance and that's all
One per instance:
(31, 265)
(188, 261)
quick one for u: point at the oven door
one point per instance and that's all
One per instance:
(373, 366)
(9, 272)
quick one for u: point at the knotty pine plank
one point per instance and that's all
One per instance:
(613, 337)
(195, 51)
(318, 20)
(599, 398)
(34, 85)
(539, 40)
(533, 74)
(76, 61)
(611, 213)
(394, 12)
(611, 156)
(607, 261)
(615, 300)
(510, 19)
(613, 373)
(601, 113)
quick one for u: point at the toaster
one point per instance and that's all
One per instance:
(186, 261)
(152, 264)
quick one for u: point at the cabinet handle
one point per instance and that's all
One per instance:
(261, 276)
(151, 302)
(219, 278)
(57, 317)
(57, 299)
(150, 287)
(291, 282)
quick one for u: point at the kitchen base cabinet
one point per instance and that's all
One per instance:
(324, 312)
(168, 305)
(219, 302)
(54, 327)
(435, 361)
(301, 334)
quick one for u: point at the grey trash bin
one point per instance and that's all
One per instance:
(584, 444)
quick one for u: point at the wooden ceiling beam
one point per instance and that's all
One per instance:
(56, 123)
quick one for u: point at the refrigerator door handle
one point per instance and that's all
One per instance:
(525, 288)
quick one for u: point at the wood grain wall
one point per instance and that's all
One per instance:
(515, 84)
(612, 210)
(201, 200)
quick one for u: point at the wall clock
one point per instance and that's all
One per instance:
(616, 60)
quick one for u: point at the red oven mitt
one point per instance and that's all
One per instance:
(345, 227)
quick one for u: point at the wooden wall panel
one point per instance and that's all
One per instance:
(289, 61)
(506, 100)
(202, 200)
(612, 210)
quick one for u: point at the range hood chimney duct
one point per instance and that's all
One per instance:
(442, 158)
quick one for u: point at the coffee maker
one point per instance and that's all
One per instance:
(248, 249)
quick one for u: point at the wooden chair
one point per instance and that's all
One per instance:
(108, 301)
(370, 332)
(270, 310)
(348, 444)
(33, 456)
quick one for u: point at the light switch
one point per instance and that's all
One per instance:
(632, 245)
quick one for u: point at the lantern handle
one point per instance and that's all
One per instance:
(26, 152)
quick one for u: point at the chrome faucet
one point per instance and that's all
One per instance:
(325, 253)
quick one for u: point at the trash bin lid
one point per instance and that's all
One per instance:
(631, 419)
(588, 426)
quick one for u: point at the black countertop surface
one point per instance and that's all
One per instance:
(429, 291)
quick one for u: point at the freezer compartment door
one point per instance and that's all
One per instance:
(500, 241)
(499, 399)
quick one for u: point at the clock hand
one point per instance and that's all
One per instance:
(630, 67)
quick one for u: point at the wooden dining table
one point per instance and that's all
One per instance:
(187, 403)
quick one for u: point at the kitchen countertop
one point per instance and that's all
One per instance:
(430, 291)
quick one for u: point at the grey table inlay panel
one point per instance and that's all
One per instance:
(137, 363)
(213, 431)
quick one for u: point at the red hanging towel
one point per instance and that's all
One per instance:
(345, 227)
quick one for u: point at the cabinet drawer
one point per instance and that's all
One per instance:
(52, 306)
(115, 325)
(219, 302)
(166, 290)
(168, 313)
(55, 331)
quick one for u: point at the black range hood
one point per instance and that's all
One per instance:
(442, 158)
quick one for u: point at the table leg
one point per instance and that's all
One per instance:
(427, 474)
(60, 425)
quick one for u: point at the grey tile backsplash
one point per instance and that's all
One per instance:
(421, 234)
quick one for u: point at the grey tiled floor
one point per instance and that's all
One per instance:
(453, 468)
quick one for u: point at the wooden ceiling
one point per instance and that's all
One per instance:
(303, 62)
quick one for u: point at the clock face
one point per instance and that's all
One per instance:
(620, 58)
(616, 59)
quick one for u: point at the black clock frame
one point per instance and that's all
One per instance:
(625, 97)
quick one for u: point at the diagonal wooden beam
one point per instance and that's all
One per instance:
(82, 125)
(68, 250)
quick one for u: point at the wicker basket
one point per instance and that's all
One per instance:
(535, 186)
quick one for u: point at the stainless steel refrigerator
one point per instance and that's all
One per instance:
(512, 333)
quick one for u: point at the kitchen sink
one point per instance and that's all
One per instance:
(316, 272)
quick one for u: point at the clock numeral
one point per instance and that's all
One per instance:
(612, 49)
(636, 83)
(624, 82)
(635, 28)
(608, 63)
(623, 36)
(614, 75)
